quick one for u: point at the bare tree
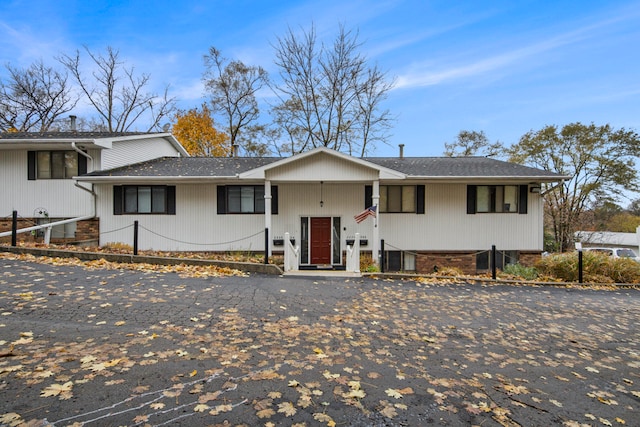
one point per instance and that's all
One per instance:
(117, 93)
(329, 96)
(32, 99)
(232, 87)
(472, 143)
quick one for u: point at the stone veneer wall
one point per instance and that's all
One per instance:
(87, 230)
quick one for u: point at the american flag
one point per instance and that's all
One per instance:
(370, 211)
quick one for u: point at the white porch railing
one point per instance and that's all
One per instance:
(47, 227)
(291, 254)
(353, 255)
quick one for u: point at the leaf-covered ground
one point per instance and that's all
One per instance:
(81, 344)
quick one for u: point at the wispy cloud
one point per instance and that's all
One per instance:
(425, 75)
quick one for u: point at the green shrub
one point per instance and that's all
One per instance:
(527, 273)
(596, 267)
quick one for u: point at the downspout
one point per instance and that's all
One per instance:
(90, 191)
(73, 145)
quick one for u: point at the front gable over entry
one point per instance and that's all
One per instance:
(322, 164)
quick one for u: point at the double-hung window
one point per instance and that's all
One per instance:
(57, 164)
(397, 198)
(497, 199)
(144, 199)
(245, 199)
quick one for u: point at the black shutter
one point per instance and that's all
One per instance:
(31, 165)
(274, 199)
(222, 200)
(420, 199)
(368, 196)
(471, 199)
(117, 200)
(171, 199)
(524, 199)
(82, 164)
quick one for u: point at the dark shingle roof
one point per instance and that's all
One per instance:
(189, 167)
(67, 135)
(457, 167)
(436, 167)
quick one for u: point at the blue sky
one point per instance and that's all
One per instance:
(502, 67)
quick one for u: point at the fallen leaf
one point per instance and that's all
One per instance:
(57, 389)
(391, 392)
(287, 409)
(201, 407)
(265, 413)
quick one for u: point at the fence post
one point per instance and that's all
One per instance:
(382, 256)
(135, 237)
(493, 262)
(580, 266)
(266, 245)
(14, 228)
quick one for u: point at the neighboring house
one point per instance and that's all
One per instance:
(37, 171)
(609, 239)
(431, 212)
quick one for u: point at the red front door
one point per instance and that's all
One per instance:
(320, 240)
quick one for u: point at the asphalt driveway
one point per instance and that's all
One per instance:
(104, 347)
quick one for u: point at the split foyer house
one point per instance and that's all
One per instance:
(428, 212)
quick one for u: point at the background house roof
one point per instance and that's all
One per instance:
(422, 167)
(607, 238)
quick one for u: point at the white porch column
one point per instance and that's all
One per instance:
(375, 199)
(267, 214)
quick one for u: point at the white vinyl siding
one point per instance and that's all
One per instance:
(138, 150)
(444, 226)
(60, 198)
(322, 167)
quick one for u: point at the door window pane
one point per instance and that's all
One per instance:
(304, 240)
(337, 253)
